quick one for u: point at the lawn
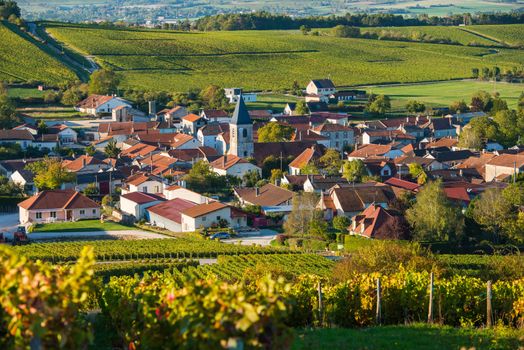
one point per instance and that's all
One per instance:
(416, 337)
(81, 226)
(23, 93)
(274, 102)
(52, 113)
(269, 60)
(444, 93)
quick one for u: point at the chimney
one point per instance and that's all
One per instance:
(83, 161)
(152, 108)
(257, 192)
(224, 161)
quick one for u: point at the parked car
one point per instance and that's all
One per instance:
(220, 235)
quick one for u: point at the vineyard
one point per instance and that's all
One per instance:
(512, 34)
(171, 61)
(21, 60)
(122, 250)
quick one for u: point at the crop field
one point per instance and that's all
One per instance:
(269, 60)
(512, 34)
(442, 94)
(21, 60)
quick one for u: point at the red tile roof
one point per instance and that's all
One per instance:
(58, 199)
(203, 209)
(303, 159)
(142, 198)
(226, 162)
(268, 195)
(81, 162)
(15, 135)
(407, 185)
(172, 210)
(192, 117)
(93, 101)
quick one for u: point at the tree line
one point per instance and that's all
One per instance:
(266, 21)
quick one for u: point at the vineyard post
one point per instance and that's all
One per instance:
(489, 311)
(430, 311)
(379, 302)
(320, 306)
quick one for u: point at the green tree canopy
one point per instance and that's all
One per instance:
(8, 116)
(342, 31)
(380, 105)
(103, 82)
(417, 172)
(275, 132)
(49, 174)
(304, 211)
(301, 108)
(354, 170)
(433, 217)
(214, 97)
(459, 107)
(111, 150)
(331, 162)
(415, 106)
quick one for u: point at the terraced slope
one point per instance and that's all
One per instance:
(21, 60)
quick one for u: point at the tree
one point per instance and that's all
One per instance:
(305, 29)
(111, 150)
(331, 162)
(341, 223)
(201, 178)
(42, 127)
(433, 217)
(477, 132)
(49, 174)
(9, 188)
(90, 150)
(74, 94)
(301, 108)
(91, 189)
(251, 178)
(521, 102)
(275, 132)
(354, 170)
(417, 172)
(103, 82)
(342, 31)
(9, 8)
(415, 107)
(491, 211)
(309, 169)
(214, 97)
(304, 211)
(509, 125)
(276, 176)
(380, 105)
(458, 107)
(8, 116)
(481, 101)
(296, 89)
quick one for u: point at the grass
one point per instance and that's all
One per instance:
(274, 102)
(441, 94)
(269, 60)
(512, 34)
(22, 60)
(417, 336)
(81, 226)
(24, 93)
(52, 113)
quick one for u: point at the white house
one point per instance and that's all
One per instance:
(22, 137)
(233, 166)
(101, 104)
(321, 89)
(175, 191)
(66, 135)
(24, 178)
(340, 136)
(143, 182)
(233, 94)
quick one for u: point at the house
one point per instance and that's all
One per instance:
(106, 181)
(121, 131)
(192, 122)
(215, 116)
(319, 183)
(233, 166)
(233, 95)
(101, 104)
(322, 89)
(465, 118)
(309, 156)
(128, 114)
(22, 137)
(442, 127)
(57, 205)
(139, 151)
(136, 203)
(390, 151)
(403, 185)
(85, 164)
(10, 166)
(25, 179)
(207, 135)
(180, 215)
(385, 136)
(350, 200)
(449, 159)
(378, 222)
(269, 197)
(143, 182)
(66, 135)
(175, 191)
(383, 168)
(173, 116)
(476, 165)
(33, 129)
(308, 135)
(504, 166)
(340, 136)
(46, 142)
(168, 140)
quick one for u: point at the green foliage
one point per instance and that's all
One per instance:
(343, 31)
(354, 170)
(202, 179)
(112, 150)
(8, 117)
(433, 217)
(40, 303)
(74, 94)
(49, 174)
(251, 178)
(91, 189)
(275, 132)
(103, 82)
(303, 213)
(214, 97)
(417, 172)
(341, 223)
(379, 105)
(415, 106)
(459, 107)
(331, 162)
(477, 132)
(301, 108)
(9, 188)
(9, 8)
(90, 150)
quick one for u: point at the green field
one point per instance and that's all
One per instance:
(270, 60)
(23, 93)
(512, 34)
(21, 60)
(444, 93)
(417, 336)
(81, 226)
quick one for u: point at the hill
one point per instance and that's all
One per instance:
(178, 61)
(22, 60)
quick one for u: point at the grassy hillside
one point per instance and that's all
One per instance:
(21, 60)
(512, 34)
(266, 60)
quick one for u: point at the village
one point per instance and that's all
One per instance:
(219, 172)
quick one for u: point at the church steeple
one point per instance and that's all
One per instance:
(241, 115)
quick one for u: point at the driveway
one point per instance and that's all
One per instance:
(8, 223)
(126, 234)
(262, 237)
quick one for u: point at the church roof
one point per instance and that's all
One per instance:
(241, 115)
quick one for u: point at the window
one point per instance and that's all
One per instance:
(218, 218)
(336, 135)
(38, 215)
(144, 189)
(245, 154)
(94, 211)
(82, 212)
(203, 218)
(244, 133)
(53, 214)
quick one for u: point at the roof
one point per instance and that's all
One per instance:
(448, 156)
(330, 127)
(173, 140)
(126, 128)
(323, 84)
(58, 199)
(142, 198)
(268, 195)
(138, 150)
(457, 194)
(140, 178)
(172, 210)
(11, 165)
(226, 162)
(81, 162)
(407, 185)
(27, 175)
(370, 150)
(241, 115)
(93, 101)
(355, 199)
(214, 129)
(215, 113)
(286, 149)
(377, 222)
(303, 159)
(192, 117)
(16, 135)
(443, 142)
(203, 209)
(508, 160)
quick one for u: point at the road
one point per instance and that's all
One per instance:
(263, 238)
(8, 224)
